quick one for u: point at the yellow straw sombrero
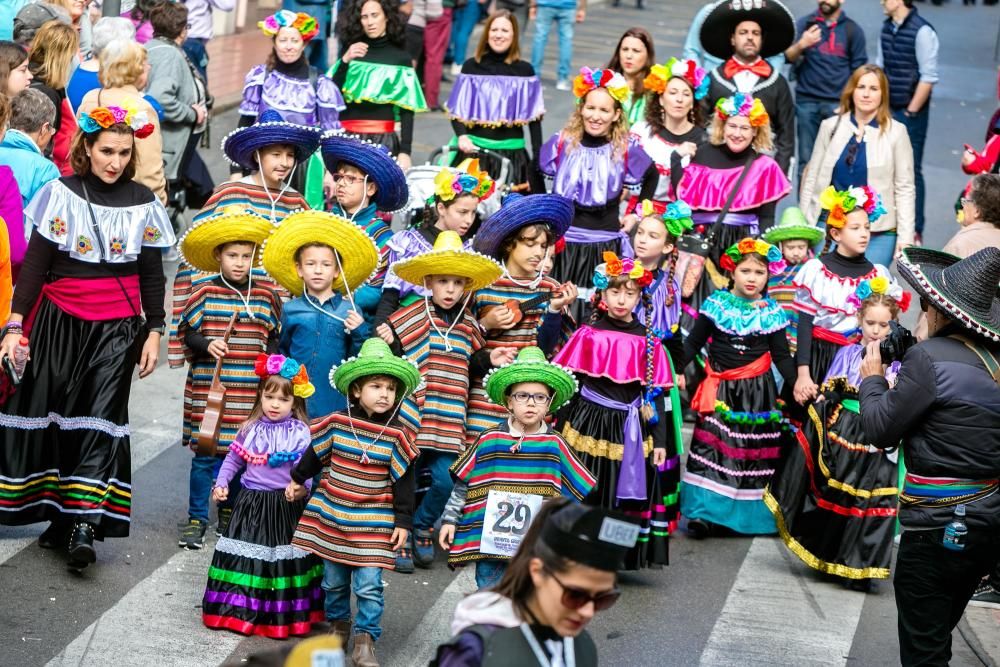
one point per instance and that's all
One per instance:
(358, 254)
(449, 258)
(230, 224)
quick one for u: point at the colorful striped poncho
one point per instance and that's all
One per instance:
(544, 465)
(208, 312)
(781, 289)
(350, 518)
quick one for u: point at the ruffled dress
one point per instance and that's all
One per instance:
(604, 426)
(740, 434)
(492, 101)
(662, 148)
(288, 90)
(258, 583)
(835, 496)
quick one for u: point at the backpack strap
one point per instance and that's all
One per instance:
(988, 358)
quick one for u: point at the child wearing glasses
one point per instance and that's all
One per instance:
(502, 480)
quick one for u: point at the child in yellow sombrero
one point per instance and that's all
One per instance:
(443, 339)
(320, 258)
(225, 245)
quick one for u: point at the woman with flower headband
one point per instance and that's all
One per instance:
(618, 423)
(739, 434)
(835, 496)
(92, 268)
(672, 130)
(827, 318)
(592, 161)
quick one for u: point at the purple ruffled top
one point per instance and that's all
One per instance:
(664, 317)
(295, 99)
(847, 364)
(289, 436)
(479, 99)
(590, 175)
(404, 245)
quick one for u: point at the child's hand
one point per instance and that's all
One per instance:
(503, 355)
(294, 491)
(399, 538)
(805, 390)
(220, 494)
(680, 381)
(385, 333)
(353, 321)
(567, 295)
(659, 456)
(218, 348)
(447, 536)
(499, 317)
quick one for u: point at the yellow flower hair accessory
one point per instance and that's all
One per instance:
(839, 204)
(742, 105)
(449, 184)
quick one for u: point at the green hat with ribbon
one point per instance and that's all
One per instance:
(531, 366)
(375, 358)
(793, 225)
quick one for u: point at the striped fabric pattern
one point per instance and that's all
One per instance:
(350, 518)
(208, 312)
(781, 289)
(443, 400)
(545, 465)
(73, 495)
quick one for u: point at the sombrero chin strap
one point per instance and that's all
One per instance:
(244, 299)
(532, 284)
(430, 315)
(274, 200)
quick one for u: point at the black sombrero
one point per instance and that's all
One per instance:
(777, 26)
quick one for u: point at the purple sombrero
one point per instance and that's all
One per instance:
(374, 160)
(555, 211)
(241, 144)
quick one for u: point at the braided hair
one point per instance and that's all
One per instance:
(647, 409)
(671, 270)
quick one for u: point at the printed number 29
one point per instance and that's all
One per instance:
(519, 517)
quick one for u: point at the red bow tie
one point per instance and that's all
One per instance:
(760, 68)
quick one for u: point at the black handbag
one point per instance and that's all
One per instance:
(700, 246)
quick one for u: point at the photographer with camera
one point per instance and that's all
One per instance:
(945, 410)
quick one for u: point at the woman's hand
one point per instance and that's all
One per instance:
(629, 222)
(399, 538)
(872, 363)
(355, 51)
(220, 494)
(900, 247)
(447, 536)
(568, 293)
(465, 144)
(404, 162)
(499, 317)
(805, 389)
(150, 355)
(680, 381)
(687, 149)
(199, 113)
(659, 456)
(9, 344)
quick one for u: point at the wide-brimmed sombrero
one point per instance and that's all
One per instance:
(375, 358)
(230, 224)
(531, 366)
(966, 289)
(241, 145)
(358, 254)
(449, 258)
(374, 160)
(793, 225)
(555, 211)
(777, 26)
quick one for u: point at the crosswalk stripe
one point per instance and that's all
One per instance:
(779, 612)
(435, 628)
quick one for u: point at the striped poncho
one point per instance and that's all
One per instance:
(350, 518)
(544, 465)
(781, 289)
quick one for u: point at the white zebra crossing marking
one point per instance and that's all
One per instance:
(435, 628)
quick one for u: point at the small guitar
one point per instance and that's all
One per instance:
(211, 422)
(519, 308)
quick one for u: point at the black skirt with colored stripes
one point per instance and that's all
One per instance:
(258, 583)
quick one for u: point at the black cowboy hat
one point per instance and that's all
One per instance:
(777, 26)
(965, 289)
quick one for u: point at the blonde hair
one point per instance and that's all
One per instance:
(761, 136)
(573, 132)
(52, 53)
(122, 63)
(884, 113)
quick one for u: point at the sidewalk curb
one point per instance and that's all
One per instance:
(979, 629)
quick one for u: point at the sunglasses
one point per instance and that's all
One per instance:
(852, 153)
(575, 598)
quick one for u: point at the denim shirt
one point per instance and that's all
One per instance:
(318, 341)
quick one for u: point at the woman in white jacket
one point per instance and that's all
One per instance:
(885, 163)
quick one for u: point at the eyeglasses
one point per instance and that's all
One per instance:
(966, 200)
(575, 598)
(348, 179)
(524, 397)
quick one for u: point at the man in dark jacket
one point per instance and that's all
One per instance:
(945, 409)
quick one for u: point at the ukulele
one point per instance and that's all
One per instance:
(211, 422)
(519, 308)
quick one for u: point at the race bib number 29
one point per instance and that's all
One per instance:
(508, 516)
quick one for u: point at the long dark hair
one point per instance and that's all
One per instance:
(349, 28)
(12, 56)
(656, 114)
(615, 63)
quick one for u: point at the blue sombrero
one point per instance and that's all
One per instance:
(241, 144)
(374, 160)
(555, 211)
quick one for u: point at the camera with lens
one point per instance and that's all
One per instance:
(894, 346)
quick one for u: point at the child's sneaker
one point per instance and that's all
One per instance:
(423, 547)
(404, 559)
(192, 534)
(225, 515)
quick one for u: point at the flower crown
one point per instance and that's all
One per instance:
(676, 216)
(839, 204)
(102, 118)
(742, 105)
(449, 184)
(267, 365)
(880, 285)
(614, 267)
(775, 262)
(305, 24)
(688, 70)
(591, 79)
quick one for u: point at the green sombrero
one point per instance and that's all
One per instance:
(793, 225)
(375, 358)
(531, 366)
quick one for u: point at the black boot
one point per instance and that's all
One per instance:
(56, 535)
(81, 546)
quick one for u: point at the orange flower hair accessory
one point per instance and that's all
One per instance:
(742, 105)
(614, 267)
(299, 21)
(736, 252)
(591, 79)
(267, 365)
(102, 118)
(839, 204)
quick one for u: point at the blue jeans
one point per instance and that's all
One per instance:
(366, 582)
(463, 21)
(566, 18)
(489, 573)
(439, 464)
(204, 470)
(916, 127)
(881, 248)
(809, 113)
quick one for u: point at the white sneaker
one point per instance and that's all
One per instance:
(456, 69)
(562, 84)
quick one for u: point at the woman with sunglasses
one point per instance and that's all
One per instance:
(562, 574)
(863, 145)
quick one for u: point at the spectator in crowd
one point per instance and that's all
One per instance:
(200, 29)
(15, 75)
(32, 17)
(8, 10)
(693, 50)
(317, 49)
(124, 73)
(12, 240)
(32, 126)
(84, 78)
(565, 13)
(80, 20)
(416, 24)
(55, 46)
(139, 16)
(829, 48)
(865, 145)
(464, 20)
(437, 33)
(908, 51)
(634, 57)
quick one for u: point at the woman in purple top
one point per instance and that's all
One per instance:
(494, 97)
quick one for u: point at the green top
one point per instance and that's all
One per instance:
(380, 83)
(635, 109)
